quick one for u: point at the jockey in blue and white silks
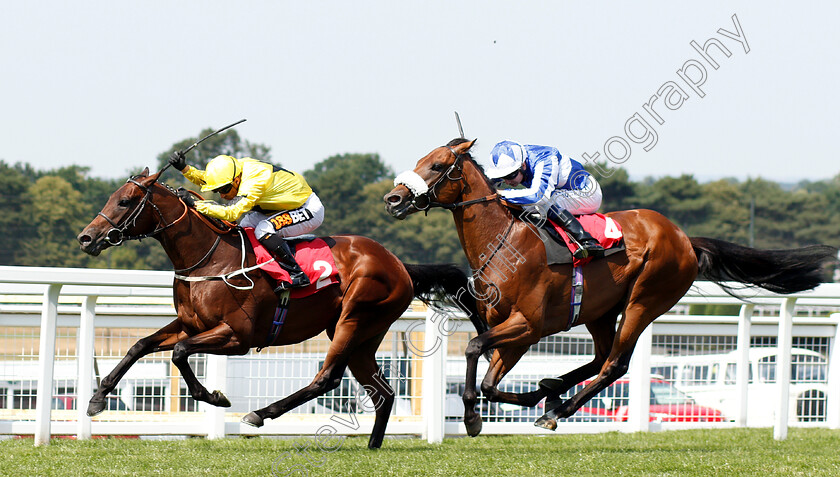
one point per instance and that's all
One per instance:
(555, 185)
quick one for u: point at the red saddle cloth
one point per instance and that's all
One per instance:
(315, 259)
(604, 229)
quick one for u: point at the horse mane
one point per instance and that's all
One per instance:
(461, 140)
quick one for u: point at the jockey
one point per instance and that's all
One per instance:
(556, 186)
(276, 202)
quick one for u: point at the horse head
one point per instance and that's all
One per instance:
(130, 213)
(435, 181)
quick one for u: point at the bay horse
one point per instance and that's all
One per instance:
(216, 317)
(524, 300)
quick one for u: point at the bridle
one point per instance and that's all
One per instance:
(423, 201)
(116, 235)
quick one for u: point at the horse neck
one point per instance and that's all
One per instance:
(480, 226)
(187, 241)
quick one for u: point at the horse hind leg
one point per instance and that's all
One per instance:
(602, 331)
(328, 378)
(642, 308)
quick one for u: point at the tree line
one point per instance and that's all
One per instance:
(44, 210)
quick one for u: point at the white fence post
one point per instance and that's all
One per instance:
(742, 378)
(638, 413)
(84, 358)
(833, 399)
(434, 377)
(783, 363)
(216, 378)
(46, 358)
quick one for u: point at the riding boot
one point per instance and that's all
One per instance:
(283, 253)
(589, 247)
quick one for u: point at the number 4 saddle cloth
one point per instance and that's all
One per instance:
(604, 229)
(314, 257)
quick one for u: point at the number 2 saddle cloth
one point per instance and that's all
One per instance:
(314, 257)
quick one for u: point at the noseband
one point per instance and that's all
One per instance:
(116, 235)
(423, 199)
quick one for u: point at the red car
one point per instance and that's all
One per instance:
(667, 404)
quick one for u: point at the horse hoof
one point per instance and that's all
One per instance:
(252, 419)
(95, 407)
(219, 399)
(473, 426)
(546, 423)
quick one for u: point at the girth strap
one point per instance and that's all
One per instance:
(577, 297)
(279, 319)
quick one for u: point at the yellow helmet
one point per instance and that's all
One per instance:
(221, 170)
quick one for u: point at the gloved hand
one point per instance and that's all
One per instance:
(178, 160)
(186, 196)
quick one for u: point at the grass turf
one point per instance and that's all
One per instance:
(697, 452)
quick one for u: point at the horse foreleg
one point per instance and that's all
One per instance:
(500, 364)
(162, 340)
(219, 340)
(513, 332)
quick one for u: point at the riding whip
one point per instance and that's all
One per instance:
(202, 140)
(460, 129)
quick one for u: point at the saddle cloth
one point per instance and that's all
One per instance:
(314, 257)
(602, 228)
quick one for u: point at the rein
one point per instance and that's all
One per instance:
(225, 277)
(496, 250)
(203, 259)
(465, 203)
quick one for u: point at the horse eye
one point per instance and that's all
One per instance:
(124, 202)
(438, 167)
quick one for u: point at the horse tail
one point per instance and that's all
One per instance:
(779, 271)
(446, 284)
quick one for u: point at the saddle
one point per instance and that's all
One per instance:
(559, 247)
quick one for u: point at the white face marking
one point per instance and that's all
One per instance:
(412, 181)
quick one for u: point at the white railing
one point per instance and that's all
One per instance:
(134, 287)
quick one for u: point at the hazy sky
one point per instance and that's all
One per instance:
(110, 85)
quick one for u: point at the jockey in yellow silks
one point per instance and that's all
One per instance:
(276, 202)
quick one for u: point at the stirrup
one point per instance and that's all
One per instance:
(299, 280)
(590, 248)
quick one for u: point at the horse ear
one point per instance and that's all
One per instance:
(464, 146)
(153, 177)
(145, 172)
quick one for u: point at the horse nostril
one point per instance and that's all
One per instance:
(392, 199)
(84, 239)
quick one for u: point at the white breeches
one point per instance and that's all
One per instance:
(287, 223)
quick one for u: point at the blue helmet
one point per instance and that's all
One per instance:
(507, 157)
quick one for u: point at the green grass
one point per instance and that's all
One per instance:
(698, 452)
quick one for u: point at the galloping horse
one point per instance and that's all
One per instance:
(375, 288)
(528, 300)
